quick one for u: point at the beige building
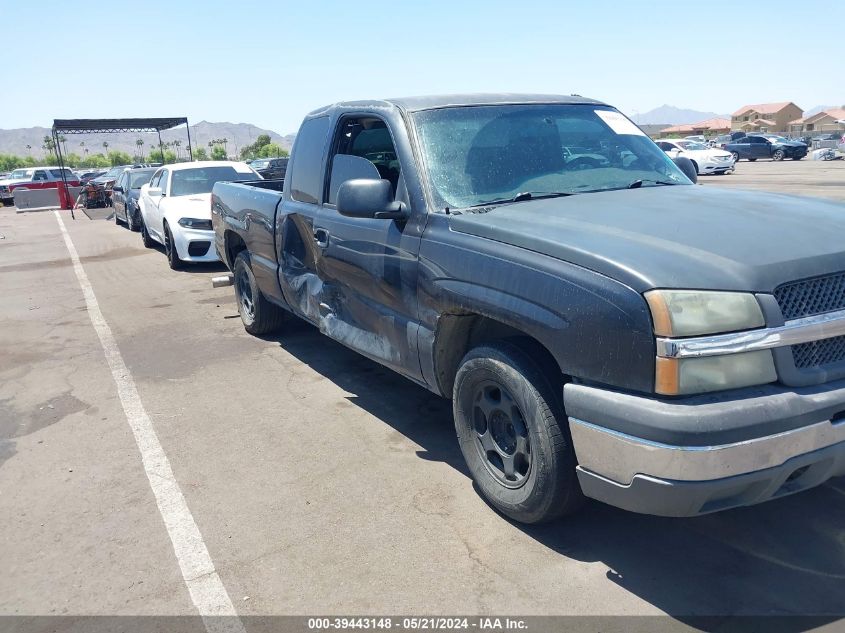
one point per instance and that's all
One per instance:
(766, 117)
(826, 121)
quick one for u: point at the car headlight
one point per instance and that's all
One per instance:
(683, 313)
(693, 312)
(195, 223)
(684, 376)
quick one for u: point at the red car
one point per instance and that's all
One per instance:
(34, 178)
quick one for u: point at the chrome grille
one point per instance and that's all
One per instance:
(824, 352)
(811, 296)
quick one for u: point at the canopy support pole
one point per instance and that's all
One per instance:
(62, 168)
(190, 150)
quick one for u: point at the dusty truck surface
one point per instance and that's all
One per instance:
(604, 328)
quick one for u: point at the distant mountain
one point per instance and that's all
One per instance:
(238, 135)
(670, 115)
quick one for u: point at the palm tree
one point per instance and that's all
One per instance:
(178, 145)
(139, 144)
(49, 146)
(106, 146)
(63, 140)
(29, 149)
(224, 140)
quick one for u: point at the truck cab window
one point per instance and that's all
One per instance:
(306, 175)
(369, 139)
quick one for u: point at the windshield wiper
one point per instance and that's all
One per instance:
(639, 183)
(522, 196)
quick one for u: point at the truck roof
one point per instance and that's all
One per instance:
(441, 101)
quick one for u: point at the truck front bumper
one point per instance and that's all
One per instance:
(696, 455)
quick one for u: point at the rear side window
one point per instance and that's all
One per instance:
(57, 173)
(306, 177)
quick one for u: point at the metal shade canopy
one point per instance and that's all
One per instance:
(115, 126)
(96, 126)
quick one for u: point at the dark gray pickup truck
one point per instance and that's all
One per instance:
(604, 328)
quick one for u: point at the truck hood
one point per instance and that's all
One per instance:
(677, 236)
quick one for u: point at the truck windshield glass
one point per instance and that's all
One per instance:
(477, 154)
(187, 182)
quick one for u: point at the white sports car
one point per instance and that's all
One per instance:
(176, 208)
(705, 159)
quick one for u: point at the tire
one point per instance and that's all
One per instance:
(500, 389)
(695, 165)
(735, 156)
(778, 155)
(797, 157)
(170, 250)
(116, 219)
(751, 160)
(130, 221)
(258, 315)
(146, 239)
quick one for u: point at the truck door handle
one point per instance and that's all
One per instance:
(321, 236)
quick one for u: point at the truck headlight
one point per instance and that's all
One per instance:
(684, 313)
(684, 376)
(694, 312)
(195, 223)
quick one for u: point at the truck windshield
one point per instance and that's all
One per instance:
(479, 153)
(188, 182)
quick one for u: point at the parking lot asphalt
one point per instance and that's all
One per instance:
(320, 482)
(823, 179)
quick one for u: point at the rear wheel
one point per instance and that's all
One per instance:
(735, 156)
(170, 250)
(514, 434)
(695, 165)
(259, 316)
(116, 217)
(751, 160)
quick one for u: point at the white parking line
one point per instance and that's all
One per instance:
(206, 589)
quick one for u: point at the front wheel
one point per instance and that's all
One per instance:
(514, 434)
(170, 250)
(778, 155)
(258, 315)
(146, 239)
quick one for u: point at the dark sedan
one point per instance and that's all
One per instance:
(756, 146)
(271, 168)
(125, 193)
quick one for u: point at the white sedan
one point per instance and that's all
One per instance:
(706, 160)
(176, 208)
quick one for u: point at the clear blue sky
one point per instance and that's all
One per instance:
(270, 62)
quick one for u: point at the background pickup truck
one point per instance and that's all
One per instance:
(603, 328)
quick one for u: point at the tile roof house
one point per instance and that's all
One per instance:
(708, 127)
(830, 120)
(765, 117)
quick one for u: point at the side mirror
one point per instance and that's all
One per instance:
(686, 166)
(117, 188)
(155, 191)
(369, 198)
